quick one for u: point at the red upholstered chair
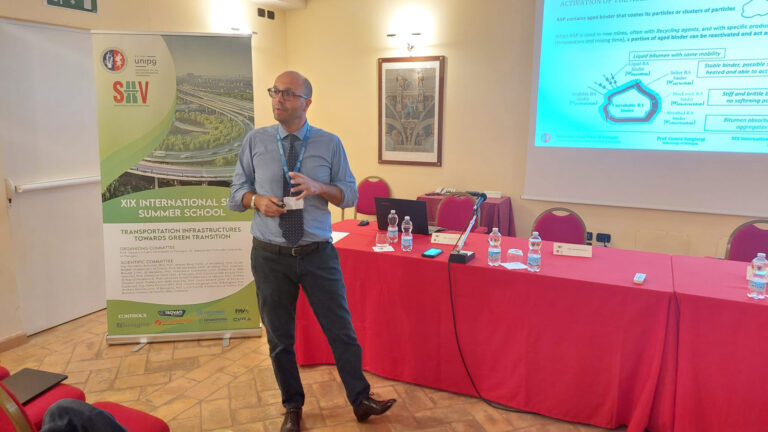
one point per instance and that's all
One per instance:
(560, 224)
(133, 419)
(747, 240)
(35, 408)
(13, 418)
(369, 188)
(12, 415)
(455, 211)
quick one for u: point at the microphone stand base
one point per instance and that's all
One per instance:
(461, 257)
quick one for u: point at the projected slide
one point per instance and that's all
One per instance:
(654, 75)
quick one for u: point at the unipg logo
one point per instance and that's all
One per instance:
(113, 60)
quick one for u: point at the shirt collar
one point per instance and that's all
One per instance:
(301, 133)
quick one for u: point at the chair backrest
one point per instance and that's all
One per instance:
(12, 416)
(367, 189)
(4, 373)
(747, 240)
(455, 211)
(565, 228)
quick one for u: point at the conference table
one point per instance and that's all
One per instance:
(494, 212)
(722, 375)
(577, 341)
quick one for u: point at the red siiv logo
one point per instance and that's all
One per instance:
(130, 92)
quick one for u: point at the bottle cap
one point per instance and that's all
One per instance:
(761, 255)
(535, 233)
(407, 217)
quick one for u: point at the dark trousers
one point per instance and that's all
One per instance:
(70, 415)
(277, 284)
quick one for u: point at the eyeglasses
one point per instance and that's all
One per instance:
(288, 94)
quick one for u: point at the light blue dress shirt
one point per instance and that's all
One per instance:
(259, 170)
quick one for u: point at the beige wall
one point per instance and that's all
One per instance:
(488, 48)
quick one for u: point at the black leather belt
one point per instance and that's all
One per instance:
(286, 250)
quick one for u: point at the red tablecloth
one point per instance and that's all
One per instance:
(494, 212)
(722, 378)
(577, 341)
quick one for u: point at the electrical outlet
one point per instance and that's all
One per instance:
(603, 238)
(271, 14)
(261, 12)
(589, 235)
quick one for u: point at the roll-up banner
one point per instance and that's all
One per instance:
(173, 110)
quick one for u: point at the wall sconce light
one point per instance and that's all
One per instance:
(410, 40)
(410, 29)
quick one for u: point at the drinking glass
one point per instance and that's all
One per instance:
(381, 239)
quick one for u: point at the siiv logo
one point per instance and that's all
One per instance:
(113, 60)
(129, 92)
(240, 311)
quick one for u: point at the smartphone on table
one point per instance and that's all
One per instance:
(432, 252)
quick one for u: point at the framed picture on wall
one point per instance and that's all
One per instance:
(411, 110)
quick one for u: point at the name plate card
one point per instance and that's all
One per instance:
(445, 238)
(569, 249)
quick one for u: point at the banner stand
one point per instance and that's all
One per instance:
(173, 111)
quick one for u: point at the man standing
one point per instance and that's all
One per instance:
(288, 173)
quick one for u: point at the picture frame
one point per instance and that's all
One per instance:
(411, 110)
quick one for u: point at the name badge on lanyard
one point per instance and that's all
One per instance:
(291, 203)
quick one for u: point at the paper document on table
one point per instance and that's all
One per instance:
(383, 249)
(336, 236)
(572, 250)
(514, 265)
(445, 238)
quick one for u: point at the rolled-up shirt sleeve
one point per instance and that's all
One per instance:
(342, 177)
(243, 180)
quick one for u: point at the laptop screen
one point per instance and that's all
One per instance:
(416, 209)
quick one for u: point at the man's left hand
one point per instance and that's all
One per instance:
(305, 185)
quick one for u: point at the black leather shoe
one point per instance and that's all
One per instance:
(370, 406)
(292, 420)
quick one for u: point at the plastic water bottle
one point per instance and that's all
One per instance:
(392, 229)
(534, 252)
(759, 278)
(494, 248)
(406, 239)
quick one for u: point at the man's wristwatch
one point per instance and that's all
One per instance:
(253, 201)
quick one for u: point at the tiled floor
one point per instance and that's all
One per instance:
(202, 386)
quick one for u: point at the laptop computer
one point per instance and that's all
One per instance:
(27, 383)
(417, 210)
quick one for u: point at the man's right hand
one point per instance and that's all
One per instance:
(269, 206)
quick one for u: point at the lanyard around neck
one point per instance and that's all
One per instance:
(301, 153)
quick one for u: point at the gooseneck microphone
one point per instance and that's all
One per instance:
(457, 255)
(481, 197)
